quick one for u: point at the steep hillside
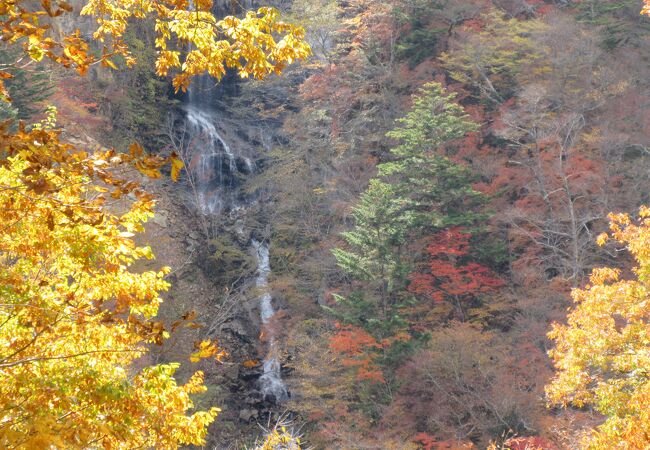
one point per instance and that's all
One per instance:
(430, 234)
(559, 93)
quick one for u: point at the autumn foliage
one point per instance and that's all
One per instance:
(74, 315)
(358, 348)
(561, 108)
(257, 45)
(529, 443)
(556, 139)
(449, 276)
(602, 355)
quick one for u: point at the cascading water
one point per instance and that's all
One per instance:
(271, 384)
(217, 169)
(214, 164)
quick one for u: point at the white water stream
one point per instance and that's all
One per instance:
(215, 166)
(271, 384)
(213, 162)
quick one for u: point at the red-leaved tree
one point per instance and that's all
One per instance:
(358, 349)
(449, 276)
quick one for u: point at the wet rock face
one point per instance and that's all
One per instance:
(234, 251)
(259, 400)
(217, 169)
(222, 171)
(244, 165)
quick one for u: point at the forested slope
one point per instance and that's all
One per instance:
(451, 194)
(427, 235)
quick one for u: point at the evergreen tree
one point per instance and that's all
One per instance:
(29, 86)
(7, 111)
(418, 191)
(439, 190)
(383, 219)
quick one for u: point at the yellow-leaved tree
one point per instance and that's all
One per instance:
(190, 40)
(74, 316)
(602, 355)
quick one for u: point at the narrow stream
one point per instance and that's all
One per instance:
(271, 385)
(216, 168)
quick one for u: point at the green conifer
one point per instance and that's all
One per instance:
(29, 87)
(419, 191)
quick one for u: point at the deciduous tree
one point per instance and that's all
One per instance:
(464, 385)
(256, 45)
(74, 317)
(449, 275)
(492, 54)
(602, 354)
(358, 347)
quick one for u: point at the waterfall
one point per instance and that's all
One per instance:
(271, 384)
(215, 166)
(216, 171)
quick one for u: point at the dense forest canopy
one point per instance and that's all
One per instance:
(415, 224)
(74, 315)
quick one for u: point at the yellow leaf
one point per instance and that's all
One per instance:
(136, 150)
(177, 165)
(108, 63)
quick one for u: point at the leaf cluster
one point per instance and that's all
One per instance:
(602, 354)
(74, 315)
(257, 45)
